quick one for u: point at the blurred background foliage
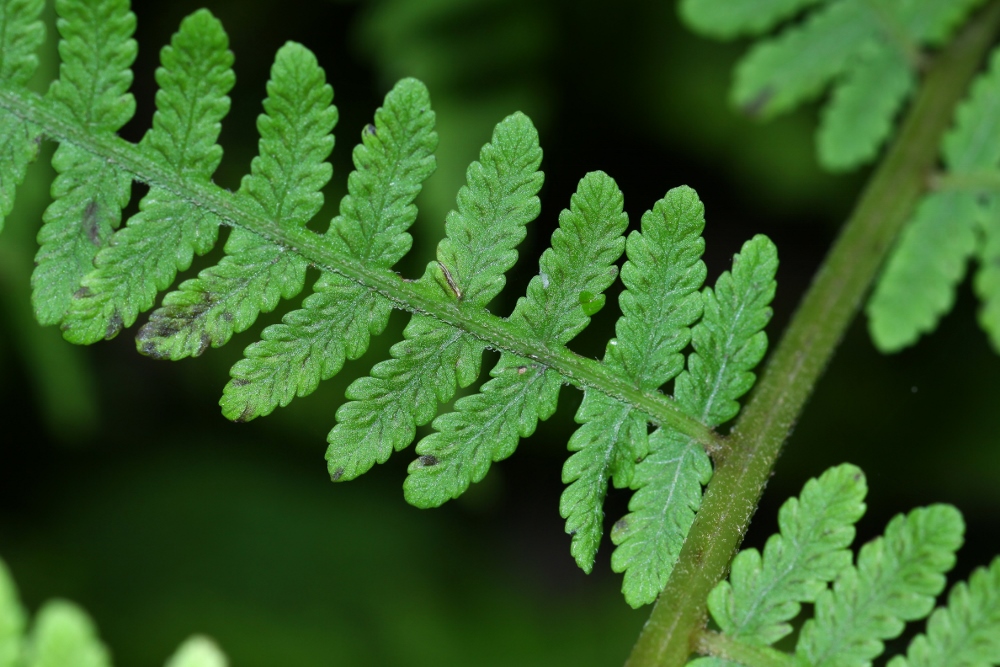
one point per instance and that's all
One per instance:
(122, 488)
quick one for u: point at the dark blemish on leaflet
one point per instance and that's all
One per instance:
(337, 474)
(620, 525)
(115, 325)
(240, 382)
(757, 104)
(203, 344)
(370, 129)
(81, 293)
(227, 316)
(427, 460)
(90, 223)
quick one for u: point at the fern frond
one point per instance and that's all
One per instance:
(97, 50)
(764, 592)
(144, 257)
(284, 184)
(917, 286)
(338, 319)
(868, 51)
(728, 342)
(896, 579)
(486, 427)
(966, 632)
(499, 199)
(987, 280)
(64, 636)
(21, 33)
(662, 277)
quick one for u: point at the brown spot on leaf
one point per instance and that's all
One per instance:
(90, 226)
(245, 416)
(620, 525)
(337, 474)
(370, 129)
(227, 316)
(150, 350)
(757, 104)
(427, 460)
(240, 382)
(81, 293)
(203, 344)
(115, 325)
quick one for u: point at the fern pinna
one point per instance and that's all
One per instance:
(94, 277)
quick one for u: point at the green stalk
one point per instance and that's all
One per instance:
(745, 462)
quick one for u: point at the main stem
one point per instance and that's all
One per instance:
(747, 458)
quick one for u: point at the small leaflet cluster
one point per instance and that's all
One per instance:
(63, 635)
(868, 53)
(859, 602)
(955, 222)
(95, 277)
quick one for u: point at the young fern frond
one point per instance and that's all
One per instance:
(955, 222)
(869, 52)
(62, 635)
(95, 281)
(895, 579)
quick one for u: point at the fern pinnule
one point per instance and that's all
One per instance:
(12, 620)
(765, 591)
(97, 50)
(62, 635)
(896, 579)
(499, 199)
(284, 185)
(144, 257)
(21, 33)
(198, 651)
(662, 276)
(966, 633)
(486, 427)
(728, 342)
(336, 321)
(870, 53)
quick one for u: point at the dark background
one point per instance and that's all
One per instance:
(123, 489)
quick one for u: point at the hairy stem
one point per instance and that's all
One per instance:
(749, 454)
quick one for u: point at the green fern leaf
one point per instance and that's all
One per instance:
(896, 579)
(338, 319)
(860, 114)
(728, 342)
(486, 427)
(64, 636)
(144, 257)
(918, 283)
(284, 185)
(21, 33)
(198, 652)
(89, 193)
(966, 632)
(662, 277)
(987, 282)
(499, 199)
(12, 620)
(726, 19)
(869, 52)
(764, 593)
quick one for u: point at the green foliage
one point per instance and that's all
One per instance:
(868, 52)
(895, 579)
(94, 294)
(62, 635)
(953, 223)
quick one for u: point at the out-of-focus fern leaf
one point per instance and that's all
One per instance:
(144, 257)
(859, 116)
(198, 652)
(764, 593)
(917, 286)
(486, 427)
(338, 319)
(499, 199)
(726, 19)
(869, 51)
(284, 185)
(728, 342)
(966, 632)
(89, 193)
(21, 33)
(12, 620)
(662, 277)
(896, 579)
(64, 636)
(987, 282)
